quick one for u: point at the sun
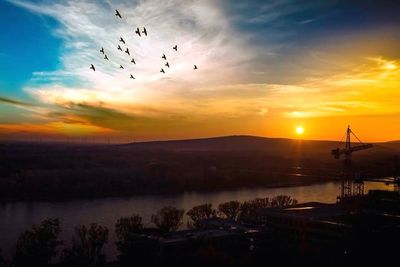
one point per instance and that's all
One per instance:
(299, 130)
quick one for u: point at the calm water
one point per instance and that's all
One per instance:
(19, 216)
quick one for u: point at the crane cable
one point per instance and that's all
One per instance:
(356, 137)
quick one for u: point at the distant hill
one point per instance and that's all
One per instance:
(281, 147)
(56, 171)
(227, 143)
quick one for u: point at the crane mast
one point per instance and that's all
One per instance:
(350, 186)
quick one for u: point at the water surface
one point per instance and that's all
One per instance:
(18, 216)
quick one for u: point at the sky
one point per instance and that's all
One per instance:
(265, 68)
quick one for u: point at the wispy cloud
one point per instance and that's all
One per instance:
(198, 27)
(14, 102)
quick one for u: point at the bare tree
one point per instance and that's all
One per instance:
(134, 247)
(126, 230)
(125, 226)
(248, 208)
(229, 209)
(168, 219)
(200, 212)
(87, 246)
(283, 201)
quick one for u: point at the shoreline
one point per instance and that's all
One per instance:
(116, 195)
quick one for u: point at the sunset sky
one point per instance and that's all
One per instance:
(265, 68)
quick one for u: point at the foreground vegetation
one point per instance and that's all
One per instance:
(41, 246)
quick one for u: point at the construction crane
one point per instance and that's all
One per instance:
(348, 187)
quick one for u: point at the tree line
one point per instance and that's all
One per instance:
(41, 245)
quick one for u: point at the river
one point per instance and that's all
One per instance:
(16, 217)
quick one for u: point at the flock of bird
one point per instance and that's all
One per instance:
(122, 41)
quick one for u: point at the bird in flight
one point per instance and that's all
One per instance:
(92, 67)
(105, 57)
(121, 67)
(167, 64)
(102, 50)
(119, 47)
(144, 31)
(162, 70)
(195, 67)
(164, 57)
(121, 40)
(175, 47)
(127, 51)
(137, 31)
(133, 61)
(118, 14)
(132, 77)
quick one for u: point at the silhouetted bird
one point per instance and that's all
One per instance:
(127, 51)
(121, 40)
(137, 31)
(195, 67)
(121, 67)
(102, 50)
(105, 57)
(167, 64)
(162, 70)
(133, 61)
(118, 14)
(132, 77)
(175, 48)
(144, 31)
(119, 47)
(92, 67)
(164, 57)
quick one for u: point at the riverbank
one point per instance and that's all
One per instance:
(318, 180)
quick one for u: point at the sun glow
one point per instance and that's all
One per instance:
(299, 130)
(390, 66)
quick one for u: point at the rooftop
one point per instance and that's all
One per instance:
(309, 211)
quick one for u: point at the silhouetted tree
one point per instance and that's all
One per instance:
(248, 208)
(282, 201)
(126, 226)
(126, 230)
(168, 219)
(200, 212)
(37, 247)
(229, 209)
(87, 247)
(134, 246)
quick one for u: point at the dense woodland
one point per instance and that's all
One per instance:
(60, 171)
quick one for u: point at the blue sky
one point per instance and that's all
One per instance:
(27, 45)
(271, 63)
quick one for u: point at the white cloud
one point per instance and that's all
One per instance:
(199, 28)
